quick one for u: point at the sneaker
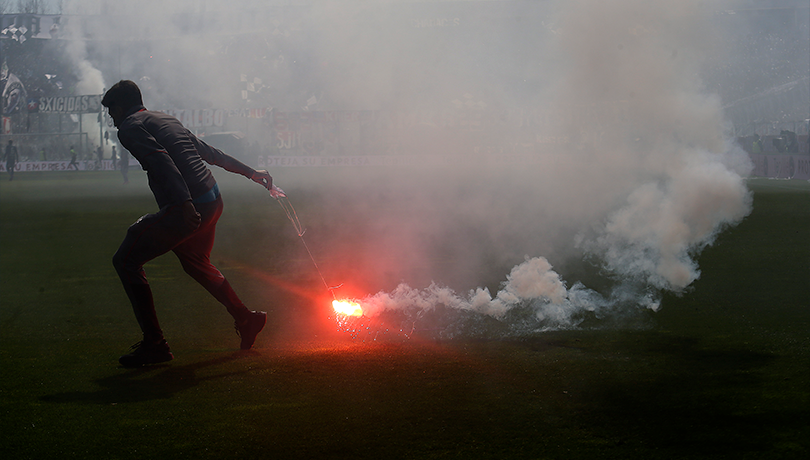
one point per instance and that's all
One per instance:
(147, 353)
(250, 328)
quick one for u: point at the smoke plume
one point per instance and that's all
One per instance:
(646, 184)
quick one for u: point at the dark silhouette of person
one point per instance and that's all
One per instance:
(11, 157)
(124, 165)
(190, 206)
(73, 161)
(756, 145)
(791, 141)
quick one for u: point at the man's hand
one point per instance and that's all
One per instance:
(263, 178)
(276, 192)
(191, 217)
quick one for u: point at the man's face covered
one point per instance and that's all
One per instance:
(117, 114)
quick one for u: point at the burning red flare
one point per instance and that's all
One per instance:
(347, 307)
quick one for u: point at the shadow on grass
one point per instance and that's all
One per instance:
(680, 395)
(149, 382)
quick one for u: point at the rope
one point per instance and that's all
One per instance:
(289, 210)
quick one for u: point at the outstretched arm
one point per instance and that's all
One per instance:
(214, 156)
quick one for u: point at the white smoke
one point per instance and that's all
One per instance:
(660, 179)
(655, 236)
(90, 79)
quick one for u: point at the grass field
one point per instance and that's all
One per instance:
(722, 372)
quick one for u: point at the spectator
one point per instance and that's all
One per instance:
(756, 145)
(73, 161)
(791, 142)
(124, 165)
(11, 159)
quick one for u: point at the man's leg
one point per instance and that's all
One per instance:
(149, 237)
(143, 305)
(194, 254)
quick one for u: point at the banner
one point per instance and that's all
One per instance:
(14, 95)
(64, 165)
(774, 166)
(21, 27)
(391, 160)
(206, 118)
(70, 104)
(203, 118)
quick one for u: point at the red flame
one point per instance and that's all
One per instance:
(347, 307)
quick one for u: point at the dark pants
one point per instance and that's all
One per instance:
(156, 234)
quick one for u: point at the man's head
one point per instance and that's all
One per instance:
(120, 98)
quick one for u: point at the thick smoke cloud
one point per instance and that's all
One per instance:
(637, 172)
(647, 189)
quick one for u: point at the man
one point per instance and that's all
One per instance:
(190, 205)
(73, 161)
(756, 145)
(113, 158)
(11, 159)
(124, 165)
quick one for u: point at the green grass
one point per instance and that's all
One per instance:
(722, 372)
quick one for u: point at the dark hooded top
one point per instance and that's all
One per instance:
(173, 157)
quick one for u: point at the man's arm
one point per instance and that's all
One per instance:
(214, 156)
